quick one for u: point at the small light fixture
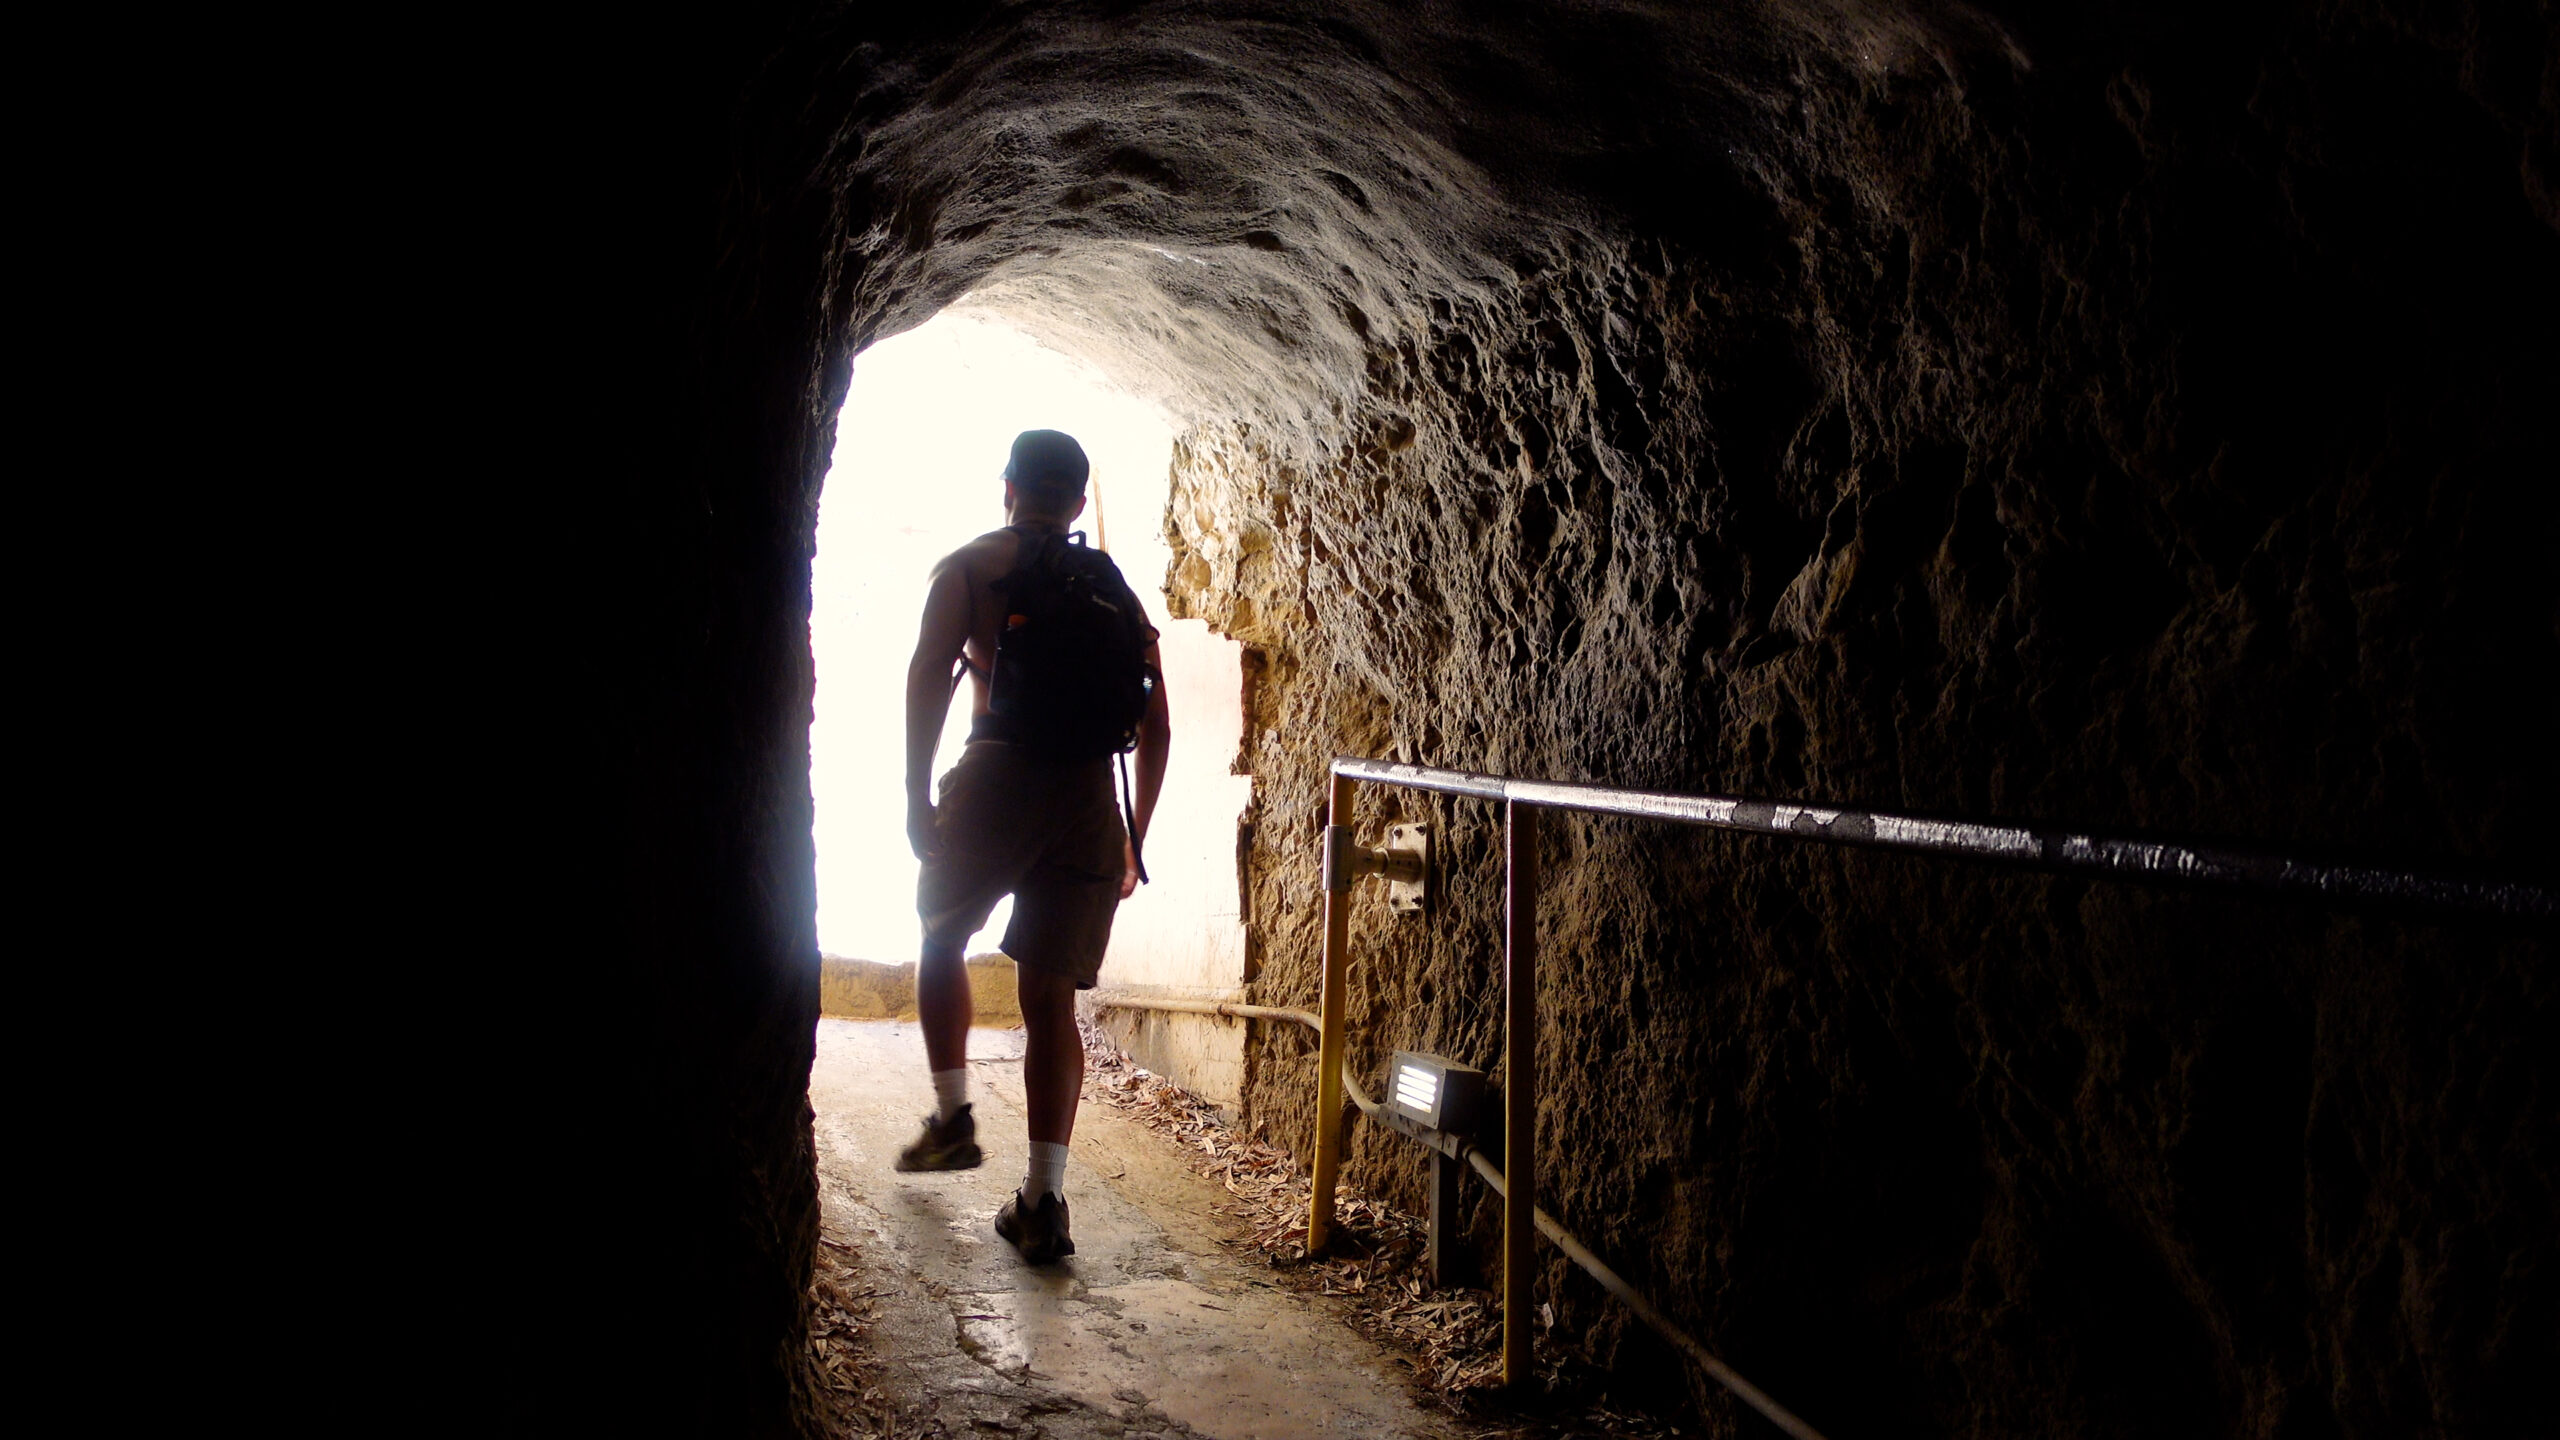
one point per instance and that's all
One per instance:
(1433, 1091)
(1435, 1099)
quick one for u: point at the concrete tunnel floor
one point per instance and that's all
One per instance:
(1151, 1328)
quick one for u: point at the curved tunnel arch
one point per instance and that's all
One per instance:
(1965, 410)
(1236, 215)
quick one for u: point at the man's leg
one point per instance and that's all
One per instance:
(956, 888)
(1052, 1053)
(943, 1004)
(1060, 930)
(1052, 1082)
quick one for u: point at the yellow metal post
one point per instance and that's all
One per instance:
(1337, 965)
(1519, 1084)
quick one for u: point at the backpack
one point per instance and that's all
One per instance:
(1071, 678)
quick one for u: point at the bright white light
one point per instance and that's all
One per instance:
(1417, 1089)
(919, 462)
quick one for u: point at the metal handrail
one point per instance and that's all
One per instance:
(2213, 865)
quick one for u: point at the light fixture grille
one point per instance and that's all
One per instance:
(1417, 1089)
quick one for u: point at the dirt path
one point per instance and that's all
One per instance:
(1151, 1328)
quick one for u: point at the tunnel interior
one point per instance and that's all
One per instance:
(2135, 418)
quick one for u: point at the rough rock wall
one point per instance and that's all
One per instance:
(644, 411)
(2143, 438)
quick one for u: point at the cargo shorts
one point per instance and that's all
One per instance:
(1047, 833)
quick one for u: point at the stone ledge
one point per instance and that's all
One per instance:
(873, 990)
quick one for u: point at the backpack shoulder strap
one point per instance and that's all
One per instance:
(1030, 555)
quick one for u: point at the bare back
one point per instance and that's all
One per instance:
(969, 575)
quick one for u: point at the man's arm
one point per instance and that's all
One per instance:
(938, 645)
(1155, 746)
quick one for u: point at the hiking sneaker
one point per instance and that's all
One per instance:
(945, 1144)
(1038, 1231)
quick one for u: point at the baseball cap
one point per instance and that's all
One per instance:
(1049, 461)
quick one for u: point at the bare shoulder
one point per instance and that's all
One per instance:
(986, 558)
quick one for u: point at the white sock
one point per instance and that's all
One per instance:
(950, 1091)
(1048, 1172)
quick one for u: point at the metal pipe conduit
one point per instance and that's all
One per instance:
(1114, 1000)
(1185, 1006)
(2216, 866)
(1332, 1034)
(1461, 1149)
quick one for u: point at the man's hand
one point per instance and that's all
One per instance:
(921, 832)
(1128, 868)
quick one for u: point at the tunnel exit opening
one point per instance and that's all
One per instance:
(920, 449)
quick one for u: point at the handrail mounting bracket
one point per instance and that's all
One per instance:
(1404, 862)
(1409, 855)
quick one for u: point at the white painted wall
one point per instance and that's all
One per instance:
(1184, 931)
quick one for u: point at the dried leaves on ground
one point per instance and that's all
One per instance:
(1451, 1339)
(851, 1402)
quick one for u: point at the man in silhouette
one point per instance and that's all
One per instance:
(1011, 821)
